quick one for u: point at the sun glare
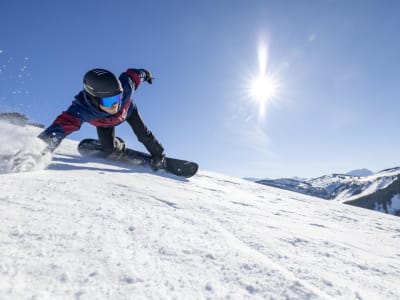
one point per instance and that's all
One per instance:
(264, 87)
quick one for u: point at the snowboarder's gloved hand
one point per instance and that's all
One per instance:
(146, 76)
(157, 162)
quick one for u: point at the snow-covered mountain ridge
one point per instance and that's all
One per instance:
(347, 189)
(87, 229)
(360, 172)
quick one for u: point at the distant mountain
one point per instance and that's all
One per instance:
(360, 172)
(386, 200)
(252, 179)
(379, 191)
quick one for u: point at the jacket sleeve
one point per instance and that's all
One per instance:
(136, 75)
(62, 126)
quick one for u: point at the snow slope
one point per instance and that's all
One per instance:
(88, 230)
(347, 189)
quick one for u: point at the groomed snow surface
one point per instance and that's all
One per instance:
(85, 229)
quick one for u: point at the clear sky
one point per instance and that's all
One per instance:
(334, 66)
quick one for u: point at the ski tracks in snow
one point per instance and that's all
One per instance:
(311, 260)
(87, 233)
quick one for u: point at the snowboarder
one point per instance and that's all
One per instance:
(105, 102)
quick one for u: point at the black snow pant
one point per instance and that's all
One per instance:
(145, 136)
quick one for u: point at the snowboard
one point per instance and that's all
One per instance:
(178, 167)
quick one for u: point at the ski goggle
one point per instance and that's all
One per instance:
(110, 101)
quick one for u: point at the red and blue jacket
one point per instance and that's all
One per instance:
(83, 110)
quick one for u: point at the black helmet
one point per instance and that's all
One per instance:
(101, 83)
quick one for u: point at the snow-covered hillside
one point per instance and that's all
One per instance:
(370, 191)
(89, 230)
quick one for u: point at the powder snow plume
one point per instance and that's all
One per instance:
(20, 149)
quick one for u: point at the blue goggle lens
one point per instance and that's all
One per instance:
(110, 101)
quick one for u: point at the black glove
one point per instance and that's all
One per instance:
(158, 162)
(146, 76)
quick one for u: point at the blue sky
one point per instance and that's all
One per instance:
(336, 64)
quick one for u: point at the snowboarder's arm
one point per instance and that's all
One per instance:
(62, 126)
(138, 76)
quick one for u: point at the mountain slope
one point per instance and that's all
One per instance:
(348, 189)
(89, 230)
(385, 200)
(360, 172)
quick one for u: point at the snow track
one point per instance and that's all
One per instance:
(87, 230)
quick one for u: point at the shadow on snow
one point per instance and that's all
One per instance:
(67, 163)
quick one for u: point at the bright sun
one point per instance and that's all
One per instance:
(263, 88)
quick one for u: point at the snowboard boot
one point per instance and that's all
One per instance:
(158, 162)
(119, 149)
